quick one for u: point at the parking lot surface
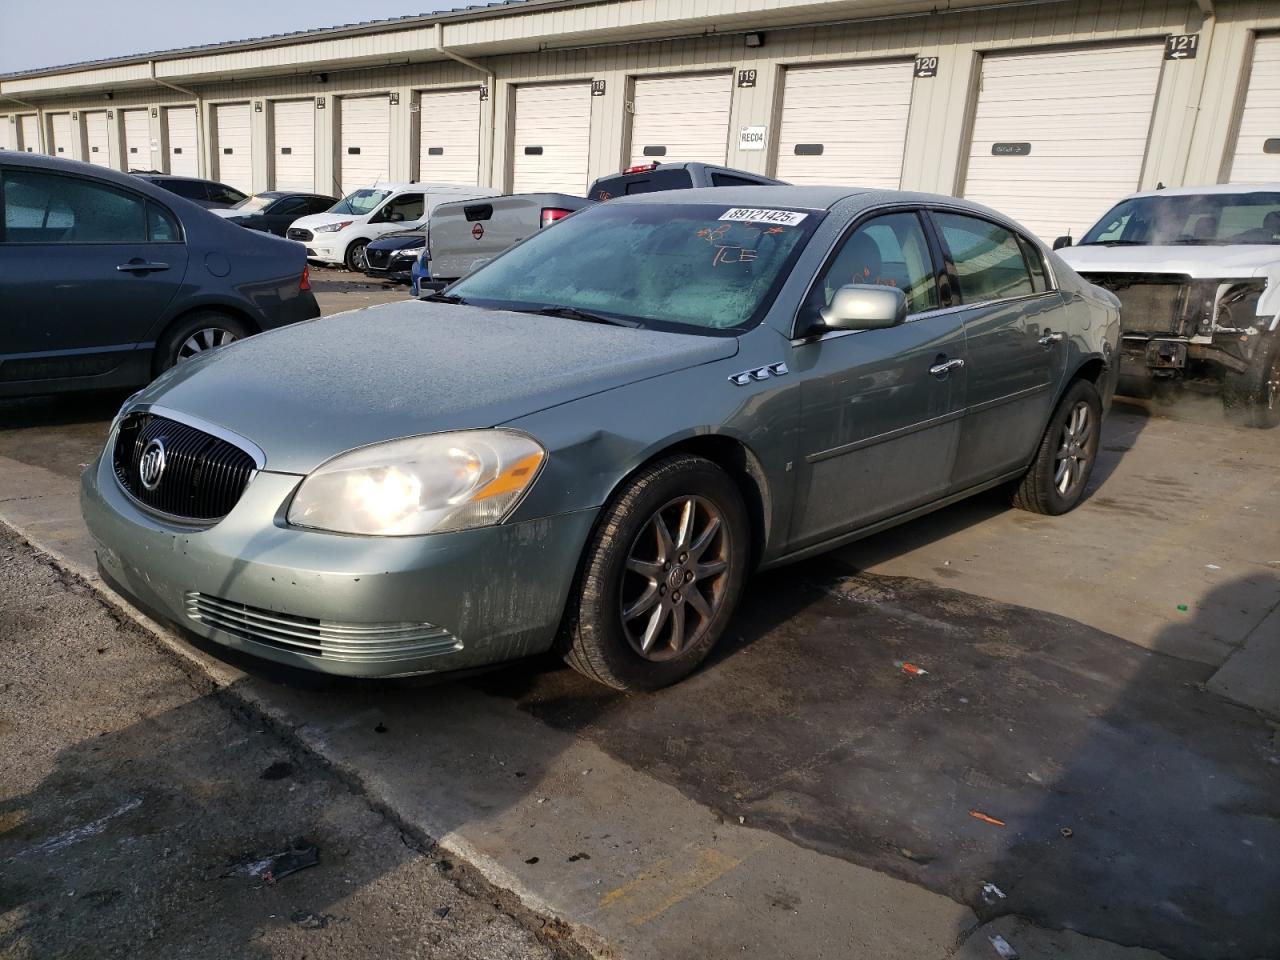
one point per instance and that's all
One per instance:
(1096, 683)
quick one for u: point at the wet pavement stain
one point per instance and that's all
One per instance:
(1136, 807)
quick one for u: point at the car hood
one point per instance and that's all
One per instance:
(399, 241)
(307, 392)
(1208, 262)
(313, 220)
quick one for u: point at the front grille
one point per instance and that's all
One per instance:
(298, 233)
(202, 477)
(330, 639)
(1149, 303)
(377, 258)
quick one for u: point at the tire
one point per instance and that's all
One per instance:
(1255, 393)
(598, 639)
(355, 259)
(195, 333)
(1071, 439)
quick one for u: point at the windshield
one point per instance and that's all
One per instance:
(1206, 219)
(360, 202)
(254, 204)
(705, 267)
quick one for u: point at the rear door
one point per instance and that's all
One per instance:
(881, 409)
(182, 156)
(91, 270)
(1256, 158)
(449, 136)
(294, 145)
(552, 138)
(98, 138)
(137, 140)
(1016, 352)
(681, 118)
(233, 156)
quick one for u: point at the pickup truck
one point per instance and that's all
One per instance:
(465, 234)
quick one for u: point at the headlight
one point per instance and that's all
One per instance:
(334, 227)
(115, 422)
(432, 484)
(414, 252)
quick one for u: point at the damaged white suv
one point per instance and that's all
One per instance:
(1197, 271)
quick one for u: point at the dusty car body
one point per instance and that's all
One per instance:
(1198, 272)
(428, 486)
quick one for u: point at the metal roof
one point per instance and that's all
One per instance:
(474, 11)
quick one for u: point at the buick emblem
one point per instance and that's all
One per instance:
(151, 466)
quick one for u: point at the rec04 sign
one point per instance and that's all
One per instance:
(752, 138)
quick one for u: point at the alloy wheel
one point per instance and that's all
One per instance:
(204, 340)
(1070, 465)
(676, 578)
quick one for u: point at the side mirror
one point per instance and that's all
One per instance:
(865, 307)
(1062, 242)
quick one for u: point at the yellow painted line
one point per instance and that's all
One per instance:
(664, 883)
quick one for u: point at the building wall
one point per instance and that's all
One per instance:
(1191, 135)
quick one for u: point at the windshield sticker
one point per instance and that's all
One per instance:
(757, 215)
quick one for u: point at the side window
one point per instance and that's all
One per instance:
(891, 251)
(987, 257)
(161, 227)
(191, 189)
(319, 205)
(729, 180)
(46, 208)
(406, 208)
(1035, 263)
(288, 205)
(221, 193)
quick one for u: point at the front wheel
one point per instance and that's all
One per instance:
(1255, 393)
(1056, 481)
(660, 577)
(357, 258)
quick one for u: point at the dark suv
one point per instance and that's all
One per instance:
(107, 280)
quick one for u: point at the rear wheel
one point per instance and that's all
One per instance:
(1060, 472)
(195, 334)
(1255, 393)
(357, 258)
(660, 578)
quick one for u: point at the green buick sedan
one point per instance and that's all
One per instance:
(590, 443)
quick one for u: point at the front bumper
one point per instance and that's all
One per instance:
(473, 598)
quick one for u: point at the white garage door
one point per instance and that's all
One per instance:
(294, 145)
(845, 124)
(679, 119)
(364, 151)
(6, 133)
(137, 140)
(97, 139)
(1059, 137)
(29, 133)
(183, 158)
(60, 128)
(233, 156)
(449, 137)
(1257, 156)
(552, 138)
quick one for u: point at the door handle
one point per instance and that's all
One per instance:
(942, 369)
(1050, 338)
(141, 266)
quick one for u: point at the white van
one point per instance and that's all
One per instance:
(339, 235)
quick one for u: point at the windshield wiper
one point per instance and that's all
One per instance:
(573, 313)
(1114, 243)
(443, 298)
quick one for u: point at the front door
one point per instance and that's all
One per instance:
(1016, 358)
(881, 409)
(89, 271)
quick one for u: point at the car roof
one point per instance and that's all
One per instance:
(131, 180)
(1217, 188)
(815, 197)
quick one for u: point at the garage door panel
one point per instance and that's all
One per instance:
(855, 113)
(364, 150)
(60, 130)
(293, 145)
(233, 159)
(449, 136)
(29, 133)
(137, 140)
(552, 138)
(686, 115)
(1086, 115)
(1260, 118)
(97, 138)
(6, 134)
